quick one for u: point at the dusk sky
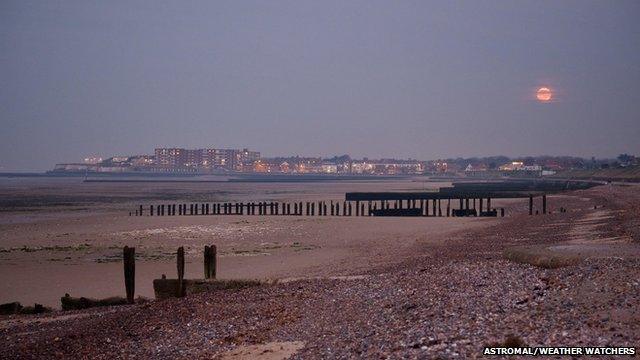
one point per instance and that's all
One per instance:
(420, 79)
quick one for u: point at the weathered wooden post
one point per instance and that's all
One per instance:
(129, 260)
(362, 209)
(501, 212)
(439, 208)
(150, 210)
(448, 207)
(350, 209)
(358, 208)
(180, 264)
(544, 204)
(141, 210)
(210, 261)
(369, 209)
(481, 204)
(530, 204)
(488, 204)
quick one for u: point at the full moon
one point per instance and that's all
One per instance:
(544, 94)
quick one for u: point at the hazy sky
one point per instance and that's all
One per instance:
(421, 79)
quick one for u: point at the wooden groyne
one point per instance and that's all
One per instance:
(399, 207)
(462, 199)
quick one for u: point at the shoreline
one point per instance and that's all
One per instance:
(449, 299)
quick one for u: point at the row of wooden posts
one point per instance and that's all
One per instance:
(129, 260)
(320, 208)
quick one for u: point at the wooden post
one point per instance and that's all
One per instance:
(439, 208)
(488, 204)
(358, 208)
(129, 260)
(481, 204)
(210, 262)
(180, 271)
(141, 210)
(150, 210)
(544, 204)
(530, 204)
(448, 207)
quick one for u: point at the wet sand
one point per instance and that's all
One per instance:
(62, 236)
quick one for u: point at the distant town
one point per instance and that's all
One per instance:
(220, 161)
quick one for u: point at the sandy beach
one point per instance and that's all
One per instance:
(71, 236)
(370, 287)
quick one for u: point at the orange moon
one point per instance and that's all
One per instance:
(544, 94)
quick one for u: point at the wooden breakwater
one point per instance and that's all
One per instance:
(469, 199)
(398, 207)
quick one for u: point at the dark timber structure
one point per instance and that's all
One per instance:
(472, 199)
